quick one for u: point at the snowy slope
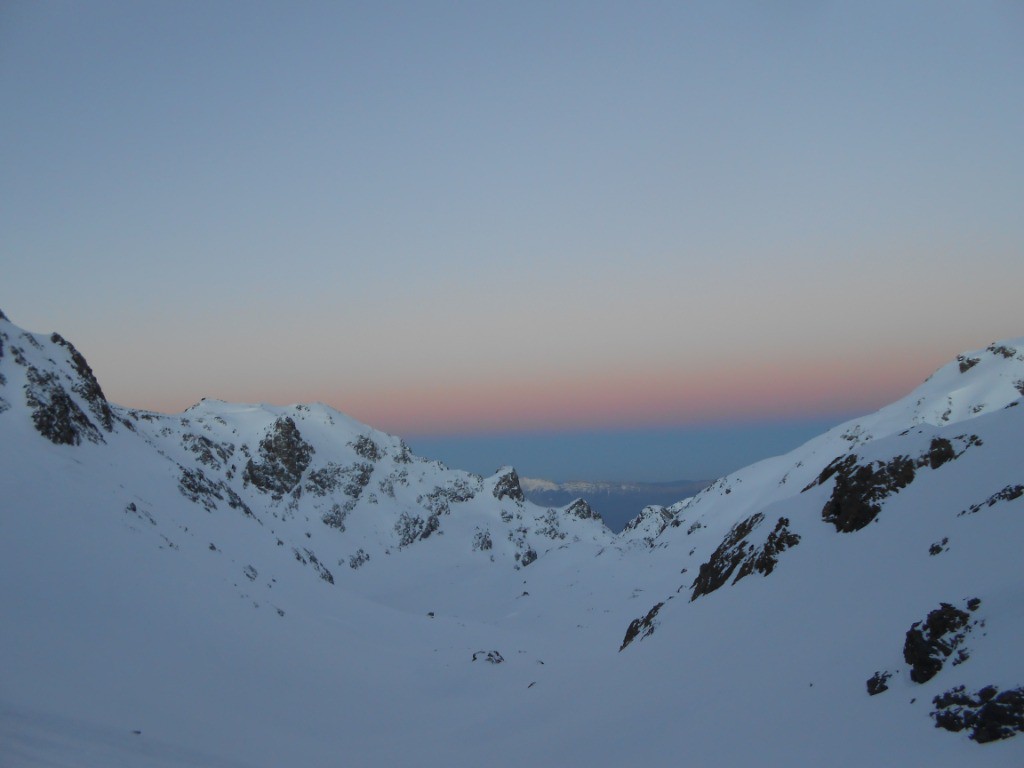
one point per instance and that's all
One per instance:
(250, 585)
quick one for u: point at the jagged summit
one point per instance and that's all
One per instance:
(257, 585)
(60, 391)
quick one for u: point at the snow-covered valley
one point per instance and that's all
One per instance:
(251, 585)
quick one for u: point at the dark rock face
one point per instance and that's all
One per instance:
(987, 715)
(582, 510)
(87, 387)
(764, 558)
(966, 363)
(508, 487)
(643, 627)
(736, 551)
(55, 414)
(940, 452)
(877, 683)
(929, 643)
(860, 489)
(285, 456)
(724, 560)
(528, 557)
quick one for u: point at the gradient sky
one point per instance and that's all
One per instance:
(452, 217)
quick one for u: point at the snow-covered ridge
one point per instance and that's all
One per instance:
(363, 491)
(581, 487)
(977, 382)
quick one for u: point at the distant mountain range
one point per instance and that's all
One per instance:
(616, 502)
(253, 585)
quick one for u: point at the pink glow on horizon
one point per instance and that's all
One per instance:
(635, 399)
(742, 392)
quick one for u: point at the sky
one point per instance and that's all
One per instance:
(504, 219)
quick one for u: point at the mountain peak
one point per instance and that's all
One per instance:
(66, 402)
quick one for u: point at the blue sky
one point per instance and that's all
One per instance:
(486, 218)
(653, 454)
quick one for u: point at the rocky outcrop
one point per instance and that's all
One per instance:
(66, 403)
(195, 486)
(878, 683)
(641, 628)
(860, 488)
(55, 414)
(359, 559)
(650, 523)
(931, 642)
(966, 363)
(986, 715)
(411, 528)
(351, 480)
(335, 518)
(439, 500)
(284, 457)
(87, 387)
(763, 559)
(736, 551)
(367, 449)
(507, 486)
(940, 451)
(207, 452)
(582, 510)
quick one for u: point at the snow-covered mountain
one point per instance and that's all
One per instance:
(616, 502)
(249, 585)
